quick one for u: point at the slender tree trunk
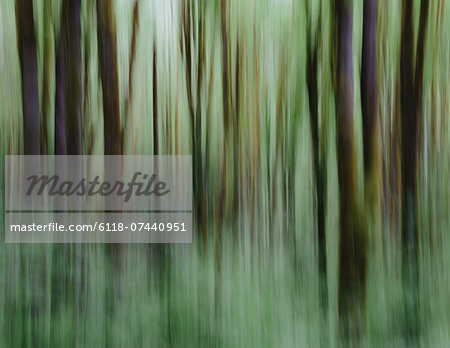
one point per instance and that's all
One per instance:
(411, 78)
(226, 101)
(200, 205)
(236, 144)
(318, 165)
(68, 104)
(74, 85)
(28, 65)
(353, 242)
(409, 169)
(371, 123)
(68, 134)
(60, 91)
(190, 17)
(28, 309)
(74, 135)
(155, 105)
(107, 52)
(46, 95)
(112, 130)
(130, 98)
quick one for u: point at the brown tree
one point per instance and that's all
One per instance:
(352, 241)
(370, 118)
(192, 46)
(107, 52)
(112, 130)
(411, 85)
(46, 90)
(68, 97)
(319, 174)
(28, 65)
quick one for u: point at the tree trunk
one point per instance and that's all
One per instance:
(46, 95)
(130, 98)
(112, 131)
(353, 243)
(60, 90)
(28, 310)
(74, 87)
(411, 79)
(226, 104)
(107, 52)
(371, 122)
(319, 190)
(28, 65)
(197, 45)
(155, 105)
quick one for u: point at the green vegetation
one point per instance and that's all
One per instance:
(321, 183)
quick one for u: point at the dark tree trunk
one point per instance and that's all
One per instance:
(199, 182)
(74, 87)
(107, 52)
(46, 95)
(130, 99)
(411, 79)
(28, 65)
(319, 189)
(369, 90)
(60, 93)
(226, 76)
(68, 135)
(371, 124)
(158, 250)
(190, 16)
(353, 243)
(28, 310)
(68, 103)
(112, 130)
(409, 168)
(155, 105)
(409, 128)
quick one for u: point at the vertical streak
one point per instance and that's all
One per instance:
(28, 65)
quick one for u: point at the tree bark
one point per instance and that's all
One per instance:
(319, 177)
(130, 98)
(112, 130)
(371, 122)
(155, 105)
(369, 91)
(353, 243)
(60, 91)
(46, 95)
(411, 79)
(74, 87)
(107, 52)
(28, 65)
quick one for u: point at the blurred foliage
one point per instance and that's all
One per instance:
(254, 281)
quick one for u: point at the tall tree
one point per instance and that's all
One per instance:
(155, 105)
(46, 95)
(60, 90)
(192, 45)
(226, 105)
(319, 190)
(28, 65)
(68, 136)
(26, 44)
(411, 80)
(370, 119)
(107, 52)
(74, 83)
(353, 242)
(112, 130)
(130, 97)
